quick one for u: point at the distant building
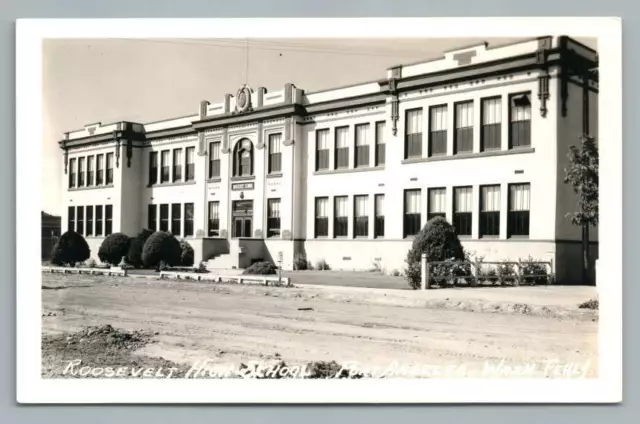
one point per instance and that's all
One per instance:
(351, 174)
(50, 233)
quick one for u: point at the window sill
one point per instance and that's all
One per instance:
(489, 237)
(214, 180)
(242, 178)
(168, 184)
(91, 187)
(483, 154)
(348, 170)
(518, 238)
(275, 175)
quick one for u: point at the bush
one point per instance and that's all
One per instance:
(159, 248)
(261, 268)
(134, 255)
(70, 249)
(590, 304)
(438, 239)
(534, 273)
(507, 273)
(187, 255)
(322, 265)
(300, 262)
(90, 263)
(114, 248)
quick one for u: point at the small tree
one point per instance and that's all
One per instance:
(582, 174)
(114, 248)
(187, 255)
(134, 255)
(438, 239)
(161, 247)
(71, 248)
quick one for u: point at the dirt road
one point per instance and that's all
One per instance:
(227, 324)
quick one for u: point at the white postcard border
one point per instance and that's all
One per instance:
(31, 388)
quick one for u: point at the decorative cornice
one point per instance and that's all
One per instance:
(66, 152)
(129, 152)
(117, 140)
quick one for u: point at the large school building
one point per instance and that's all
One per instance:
(350, 174)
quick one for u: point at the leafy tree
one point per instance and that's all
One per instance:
(582, 174)
(161, 248)
(187, 256)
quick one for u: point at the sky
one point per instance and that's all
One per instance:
(143, 80)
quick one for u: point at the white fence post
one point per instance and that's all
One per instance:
(423, 279)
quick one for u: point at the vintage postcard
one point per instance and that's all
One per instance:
(319, 210)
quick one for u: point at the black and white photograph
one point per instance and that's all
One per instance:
(320, 210)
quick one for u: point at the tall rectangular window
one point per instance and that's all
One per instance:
(520, 117)
(362, 145)
(273, 217)
(380, 144)
(99, 220)
(89, 229)
(90, 170)
(489, 211)
(71, 218)
(322, 217)
(464, 127)
(275, 155)
(81, 171)
(491, 134)
(72, 173)
(108, 219)
(462, 210)
(152, 217)
(437, 203)
(164, 166)
(518, 219)
(177, 165)
(214, 219)
(322, 149)
(188, 219)
(80, 221)
(99, 170)
(378, 227)
(164, 217)
(214, 159)
(438, 130)
(190, 162)
(175, 219)
(361, 216)
(153, 168)
(411, 224)
(413, 134)
(340, 216)
(109, 179)
(342, 147)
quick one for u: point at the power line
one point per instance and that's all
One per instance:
(293, 48)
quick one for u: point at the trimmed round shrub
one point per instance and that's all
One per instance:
(134, 256)
(438, 239)
(261, 268)
(161, 247)
(114, 248)
(187, 255)
(70, 249)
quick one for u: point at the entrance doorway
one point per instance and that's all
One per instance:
(242, 214)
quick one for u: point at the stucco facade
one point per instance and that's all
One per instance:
(479, 136)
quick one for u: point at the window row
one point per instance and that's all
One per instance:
(89, 171)
(463, 209)
(91, 220)
(243, 157)
(170, 166)
(360, 220)
(519, 130)
(170, 218)
(363, 138)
